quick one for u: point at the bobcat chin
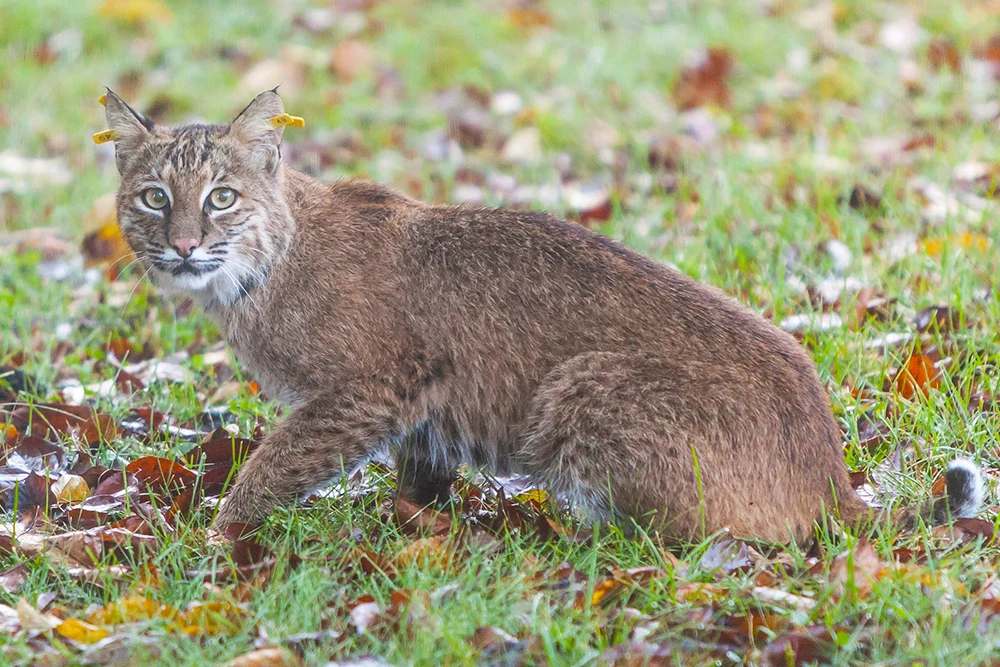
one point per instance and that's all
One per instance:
(505, 339)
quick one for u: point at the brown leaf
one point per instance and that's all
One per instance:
(33, 620)
(969, 530)
(589, 202)
(872, 430)
(55, 419)
(707, 83)
(488, 636)
(80, 518)
(865, 200)
(160, 475)
(869, 304)
(727, 556)
(221, 448)
(942, 53)
(103, 244)
(374, 563)
(246, 550)
(856, 571)
(500, 648)
(991, 51)
(941, 319)
(797, 648)
(919, 374)
(14, 579)
(6, 545)
(529, 14)
(33, 491)
(414, 518)
(90, 547)
(364, 613)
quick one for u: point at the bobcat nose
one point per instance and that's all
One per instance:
(185, 247)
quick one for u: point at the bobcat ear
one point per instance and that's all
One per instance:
(129, 130)
(254, 127)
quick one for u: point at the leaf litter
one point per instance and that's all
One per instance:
(73, 509)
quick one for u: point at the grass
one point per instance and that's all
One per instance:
(752, 213)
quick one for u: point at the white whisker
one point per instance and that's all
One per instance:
(128, 300)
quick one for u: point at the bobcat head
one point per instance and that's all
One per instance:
(202, 205)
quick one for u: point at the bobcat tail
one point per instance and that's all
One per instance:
(964, 491)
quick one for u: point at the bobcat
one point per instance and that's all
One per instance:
(505, 339)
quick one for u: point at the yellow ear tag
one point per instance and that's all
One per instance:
(286, 120)
(103, 99)
(105, 136)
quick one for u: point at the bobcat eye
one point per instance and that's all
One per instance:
(155, 198)
(221, 198)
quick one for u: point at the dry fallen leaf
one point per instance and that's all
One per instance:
(798, 648)
(32, 619)
(136, 11)
(81, 631)
(707, 82)
(433, 552)
(103, 243)
(918, 375)
(527, 14)
(943, 53)
(15, 578)
(856, 571)
(71, 489)
(132, 609)
(265, 657)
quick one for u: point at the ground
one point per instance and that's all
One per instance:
(830, 164)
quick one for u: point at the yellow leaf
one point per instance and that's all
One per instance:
(71, 489)
(131, 610)
(974, 241)
(425, 552)
(699, 592)
(934, 246)
(136, 11)
(537, 495)
(210, 618)
(81, 631)
(602, 589)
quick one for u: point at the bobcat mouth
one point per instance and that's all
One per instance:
(189, 268)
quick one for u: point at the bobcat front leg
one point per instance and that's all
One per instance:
(327, 436)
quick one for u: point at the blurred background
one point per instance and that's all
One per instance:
(742, 141)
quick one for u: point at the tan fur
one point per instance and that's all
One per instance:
(507, 339)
